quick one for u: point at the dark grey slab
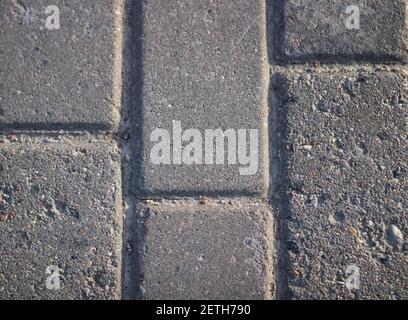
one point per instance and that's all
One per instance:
(57, 78)
(57, 208)
(207, 252)
(348, 182)
(202, 65)
(316, 30)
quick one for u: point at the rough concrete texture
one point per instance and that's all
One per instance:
(57, 78)
(58, 208)
(330, 162)
(206, 252)
(203, 66)
(348, 180)
(316, 30)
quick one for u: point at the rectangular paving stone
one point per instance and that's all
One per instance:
(202, 69)
(348, 182)
(206, 252)
(317, 30)
(61, 78)
(58, 208)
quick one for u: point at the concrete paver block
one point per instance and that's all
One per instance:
(348, 180)
(207, 252)
(203, 69)
(59, 78)
(372, 30)
(58, 209)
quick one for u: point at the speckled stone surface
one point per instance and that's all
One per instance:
(63, 78)
(58, 208)
(320, 30)
(207, 252)
(347, 181)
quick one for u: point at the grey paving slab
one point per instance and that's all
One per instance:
(317, 30)
(202, 67)
(58, 209)
(61, 78)
(347, 132)
(207, 252)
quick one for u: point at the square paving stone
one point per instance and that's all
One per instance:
(58, 209)
(317, 30)
(207, 252)
(62, 78)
